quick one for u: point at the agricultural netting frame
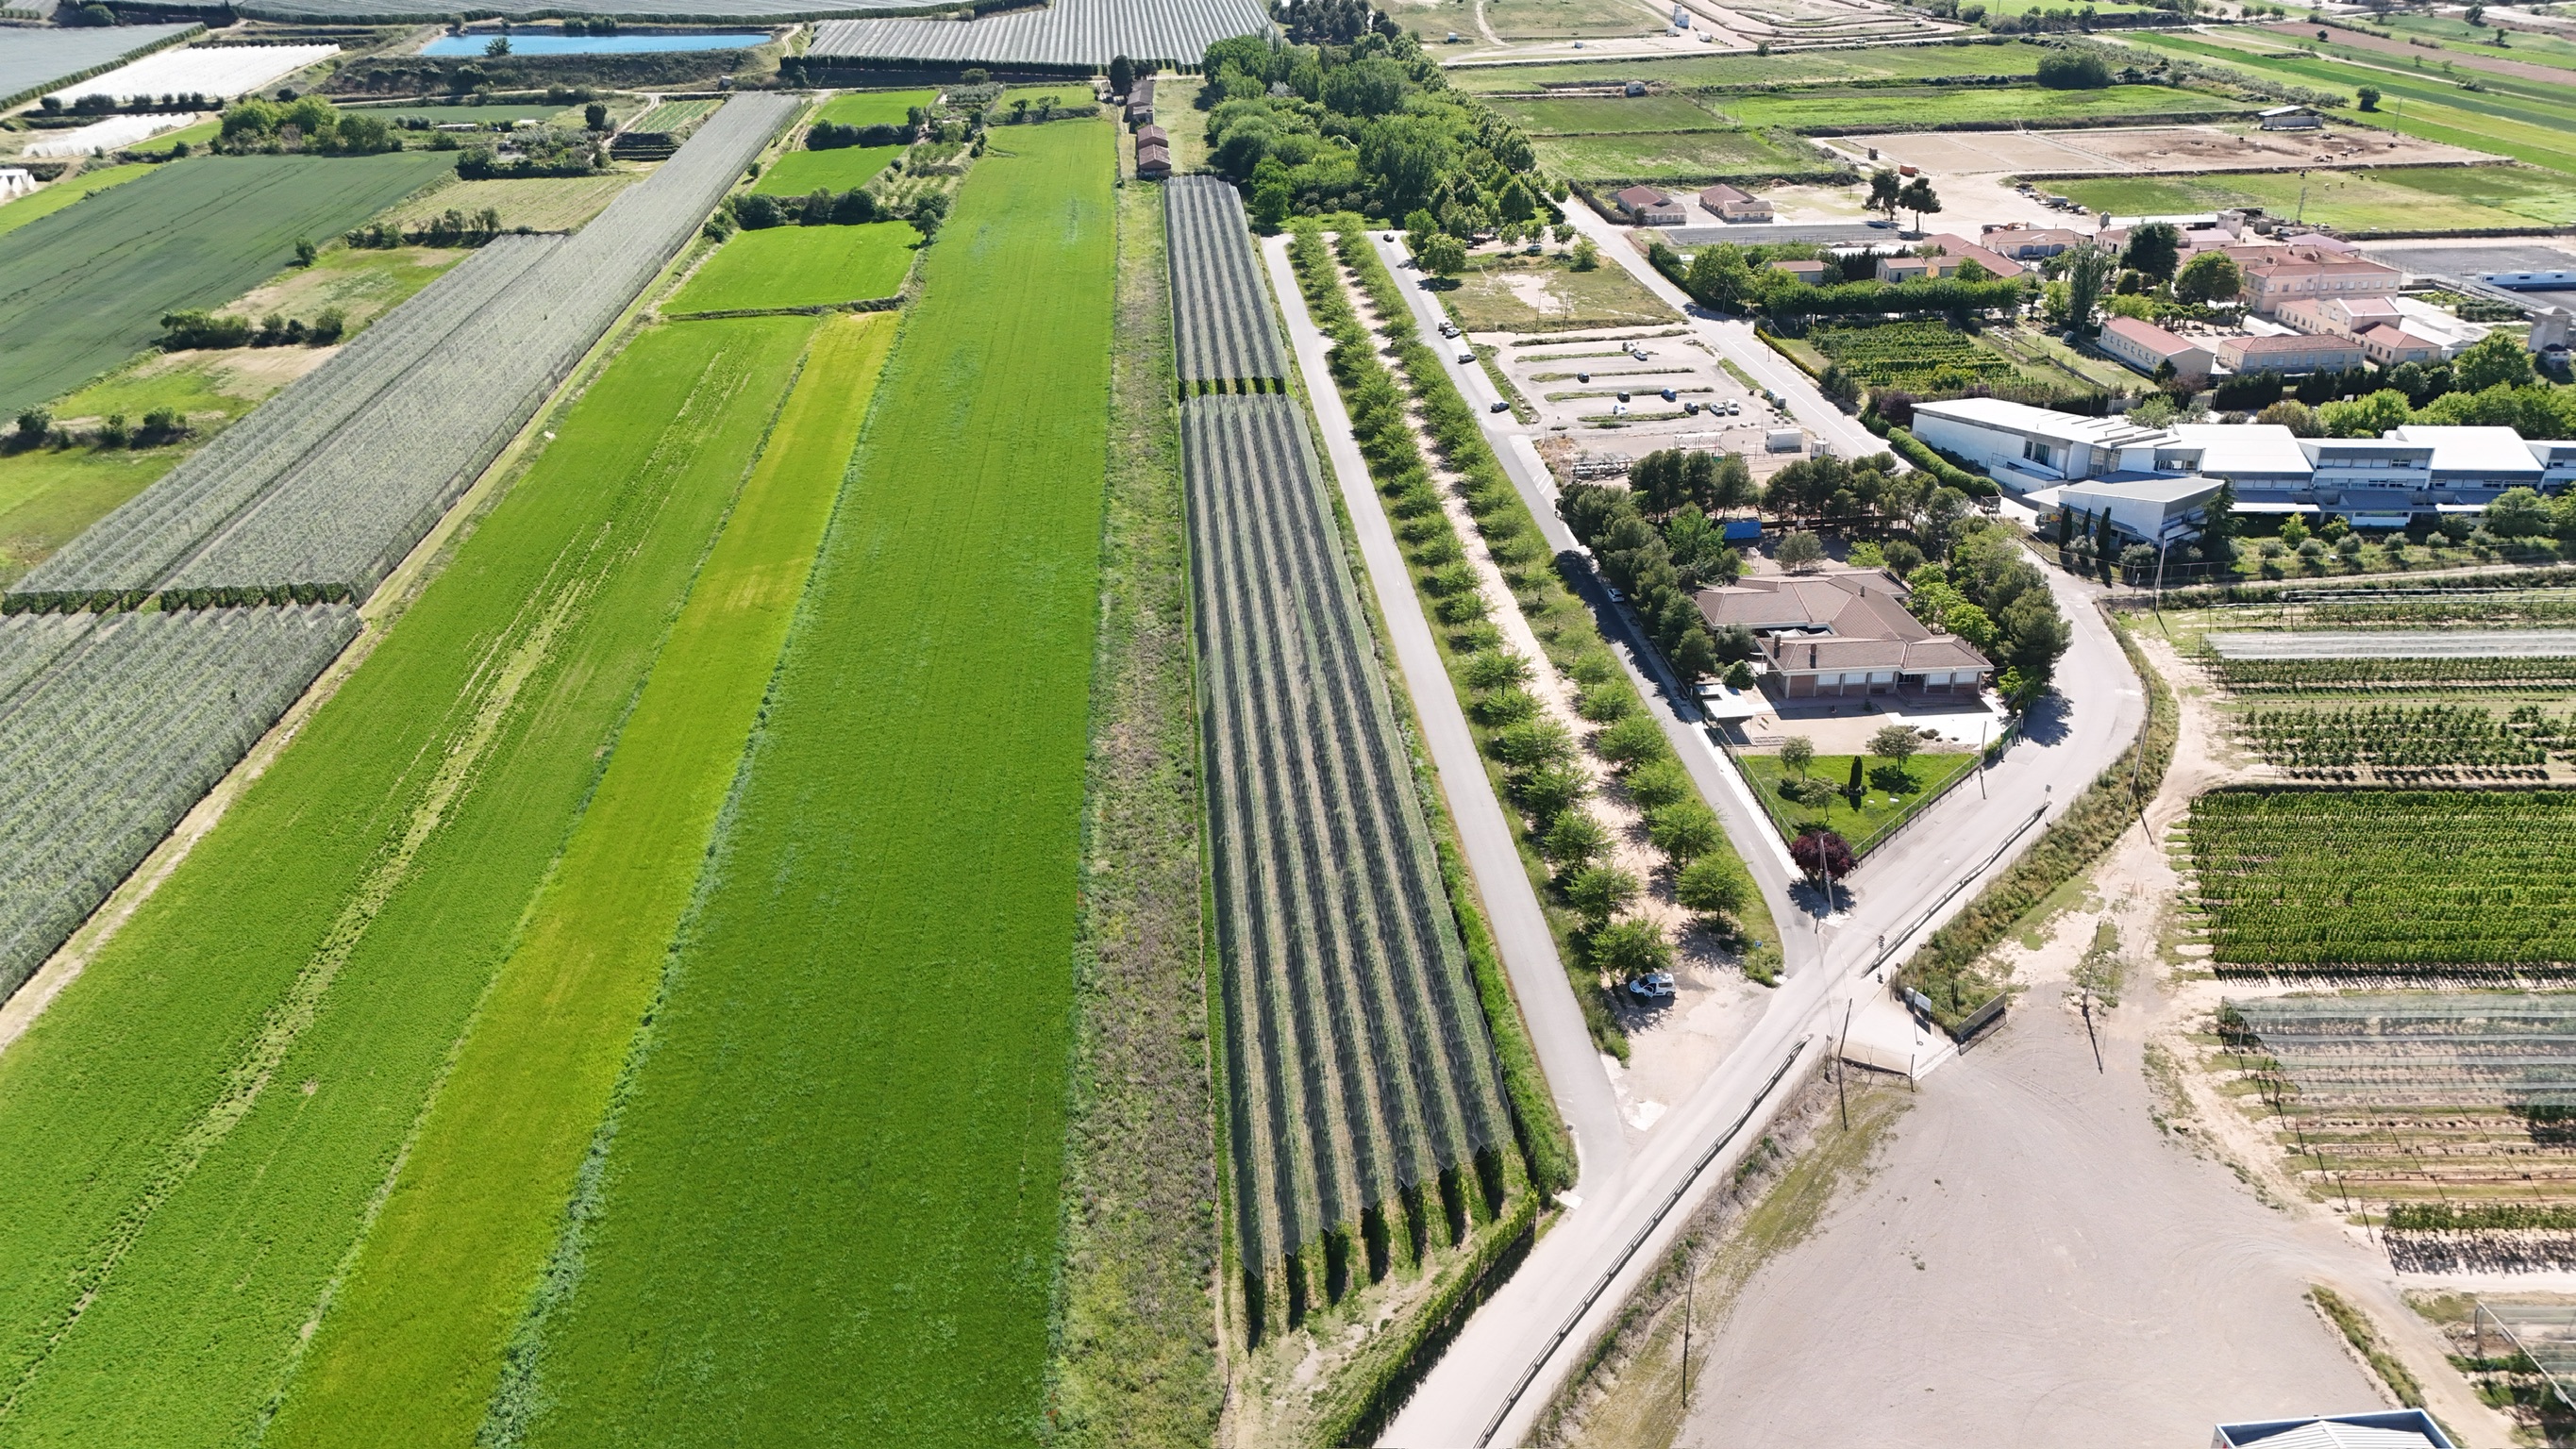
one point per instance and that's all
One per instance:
(1084, 34)
(2446, 1049)
(323, 491)
(1221, 327)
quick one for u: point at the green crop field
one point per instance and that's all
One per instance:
(193, 1135)
(800, 172)
(2524, 120)
(1894, 62)
(47, 495)
(876, 108)
(831, 1209)
(1573, 19)
(2467, 39)
(2387, 880)
(801, 266)
(412, 1348)
(51, 199)
(1925, 107)
(1667, 156)
(84, 289)
(1910, 354)
(2468, 196)
(478, 115)
(1593, 115)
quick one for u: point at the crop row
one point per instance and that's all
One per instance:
(1892, 352)
(1359, 1067)
(2299, 676)
(2401, 735)
(1072, 33)
(134, 720)
(2387, 878)
(382, 462)
(133, 548)
(1220, 315)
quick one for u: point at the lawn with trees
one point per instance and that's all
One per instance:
(1802, 790)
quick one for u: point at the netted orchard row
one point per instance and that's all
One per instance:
(2383, 736)
(126, 554)
(2436, 881)
(136, 718)
(1068, 33)
(2410, 676)
(337, 515)
(2484, 609)
(1221, 324)
(1360, 1071)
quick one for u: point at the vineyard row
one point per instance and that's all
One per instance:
(1221, 325)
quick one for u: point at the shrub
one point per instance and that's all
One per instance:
(1630, 949)
(1506, 706)
(2074, 71)
(1658, 783)
(1607, 702)
(1549, 791)
(1632, 741)
(1533, 743)
(1600, 892)
(1575, 840)
(1709, 887)
(1684, 831)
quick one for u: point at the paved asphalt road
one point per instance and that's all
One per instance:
(1564, 1044)
(1512, 1355)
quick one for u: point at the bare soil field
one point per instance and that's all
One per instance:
(2154, 149)
(2491, 64)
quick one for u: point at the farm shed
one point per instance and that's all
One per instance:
(2290, 118)
(1730, 204)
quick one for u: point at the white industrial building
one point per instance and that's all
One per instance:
(2373, 1429)
(2168, 473)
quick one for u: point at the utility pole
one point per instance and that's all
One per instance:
(1840, 1069)
(1690, 1310)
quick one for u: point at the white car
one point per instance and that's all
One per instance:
(1653, 986)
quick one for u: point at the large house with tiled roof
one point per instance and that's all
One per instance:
(1844, 634)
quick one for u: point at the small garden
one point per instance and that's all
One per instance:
(1862, 798)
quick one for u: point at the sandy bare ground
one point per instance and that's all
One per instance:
(2152, 149)
(2058, 1252)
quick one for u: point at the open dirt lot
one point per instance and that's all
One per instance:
(2152, 149)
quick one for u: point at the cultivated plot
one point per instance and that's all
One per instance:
(37, 59)
(802, 266)
(1220, 315)
(801, 173)
(830, 1210)
(219, 72)
(86, 288)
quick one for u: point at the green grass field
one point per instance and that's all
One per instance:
(1491, 297)
(1595, 115)
(831, 1211)
(873, 108)
(799, 172)
(1880, 808)
(801, 266)
(1925, 107)
(51, 199)
(541, 203)
(1905, 62)
(2468, 196)
(2461, 36)
(478, 115)
(412, 1348)
(85, 289)
(2525, 126)
(47, 495)
(1667, 156)
(194, 1133)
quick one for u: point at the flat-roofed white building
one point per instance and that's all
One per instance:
(2149, 510)
(2034, 447)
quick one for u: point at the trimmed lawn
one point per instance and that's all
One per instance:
(1593, 115)
(85, 289)
(1543, 294)
(193, 1137)
(1892, 62)
(1926, 107)
(1667, 156)
(412, 1346)
(1880, 809)
(801, 266)
(831, 1212)
(845, 169)
(873, 108)
(54, 198)
(2469, 196)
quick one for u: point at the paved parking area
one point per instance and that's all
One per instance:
(1605, 392)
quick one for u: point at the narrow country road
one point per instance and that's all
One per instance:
(1564, 1044)
(1514, 1353)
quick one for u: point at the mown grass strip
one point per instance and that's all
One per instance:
(802, 266)
(412, 1346)
(831, 1213)
(193, 1136)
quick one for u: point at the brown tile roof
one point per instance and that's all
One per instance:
(1861, 611)
(1150, 135)
(1635, 198)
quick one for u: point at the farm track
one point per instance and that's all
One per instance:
(125, 725)
(1221, 318)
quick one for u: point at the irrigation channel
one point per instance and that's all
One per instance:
(1362, 1085)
